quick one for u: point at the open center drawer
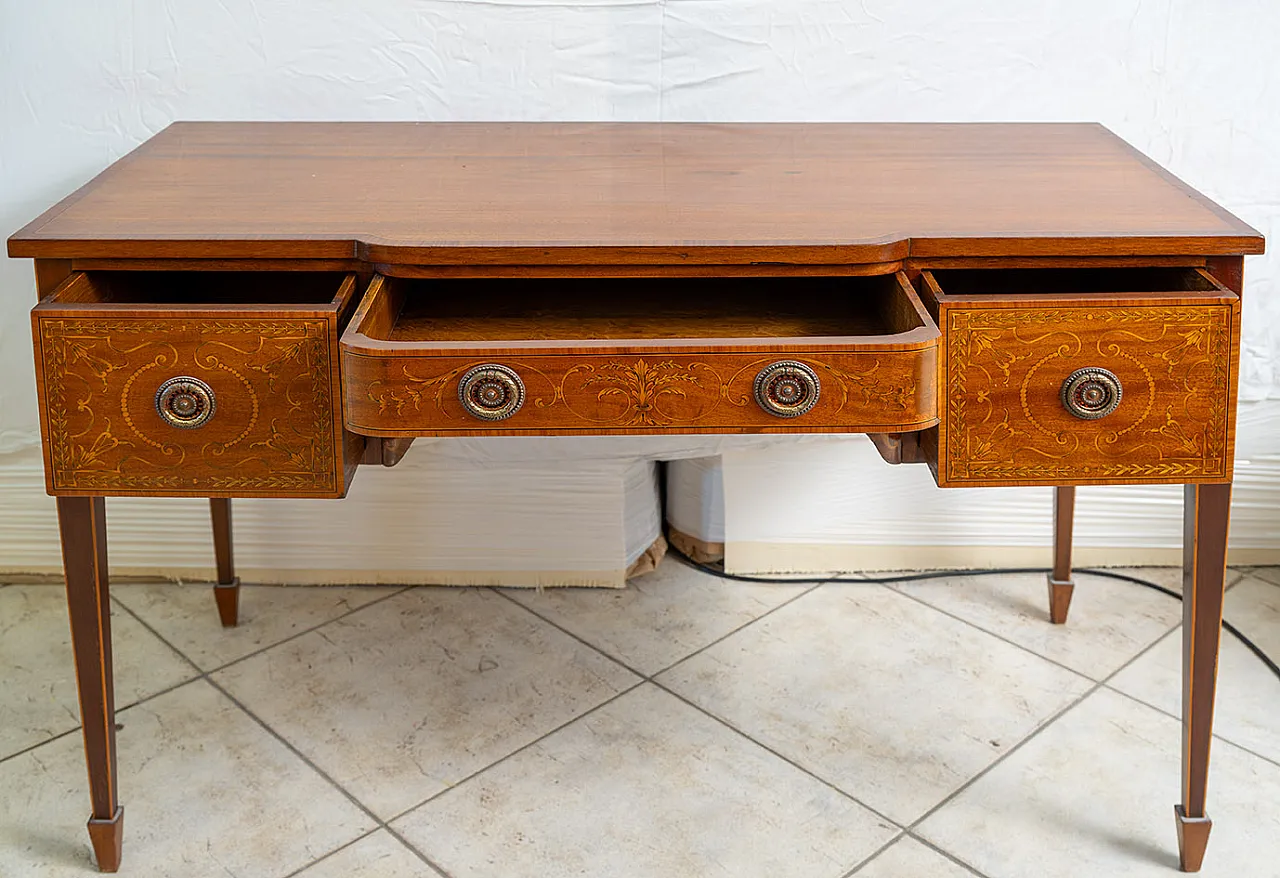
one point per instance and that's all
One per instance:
(635, 355)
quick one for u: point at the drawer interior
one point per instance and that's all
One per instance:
(179, 289)
(1073, 281)
(455, 311)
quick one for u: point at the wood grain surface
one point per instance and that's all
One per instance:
(637, 278)
(1005, 358)
(276, 429)
(643, 392)
(590, 193)
(645, 356)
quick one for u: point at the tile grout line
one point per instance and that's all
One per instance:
(745, 625)
(898, 836)
(203, 674)
(684, 658)
(1097, 684)
(379, 823)
(1162, 636)
(30, 747)
(650, 679)
(1102, 684)
(294, 636)
(1106, 682)
(206, 676)
(1252, 571)
(316, 627)
(200, 672)
(954, 794)
(565, 631)
(822, 780)
(538, 740)
(439, 870)
(1217, 736)
(305, 866)
(1006, 640)
(950, 856)
(951, 796)
(908, 832)
(643, 679)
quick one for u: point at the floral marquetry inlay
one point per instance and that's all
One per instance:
(1007, 420)
(272, 431)
(658, 392)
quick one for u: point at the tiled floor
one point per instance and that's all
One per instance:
(685, 726)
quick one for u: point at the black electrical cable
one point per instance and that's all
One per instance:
(939, 574)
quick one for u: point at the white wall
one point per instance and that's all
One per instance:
(1196, 86)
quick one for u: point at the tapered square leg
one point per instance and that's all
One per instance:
(1060, 599)
(1206, 515)
(226, 594)
(107, 837)
(1193, 838)
(1061, 585)
(83, 525)
(227, 597)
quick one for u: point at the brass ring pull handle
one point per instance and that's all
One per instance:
(787, 389)
(185, 402)
(1091, 393)
(491, 392)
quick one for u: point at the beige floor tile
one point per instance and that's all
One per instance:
(1254, 607)
(37, 668)
(1093, 794)
(206, 792)
(1248, 709)
(402, 699)
(908, 858)
(1110, 621)
(659, 618)
(378, 855)
(1169, 577)
(890, 700)
(645, 786)
(1266, 574)
(185, 615)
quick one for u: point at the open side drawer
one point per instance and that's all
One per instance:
(1084, 375)
(217, 384)
(639, 355)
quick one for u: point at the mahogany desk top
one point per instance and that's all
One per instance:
(538, 193)
(256, 309)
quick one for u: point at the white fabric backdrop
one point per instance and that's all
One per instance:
(1196, 86)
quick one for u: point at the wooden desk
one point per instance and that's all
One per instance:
(252, 310)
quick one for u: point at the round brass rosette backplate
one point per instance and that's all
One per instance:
(787, 389)
(491, 392)
(1091, 393)
(185, 402)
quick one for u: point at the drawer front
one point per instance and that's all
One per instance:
(1006, 420)
(649, 392)
(270, 428)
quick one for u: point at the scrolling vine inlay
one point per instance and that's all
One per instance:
(1005, 369)
(662, 390)
(273, 429)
